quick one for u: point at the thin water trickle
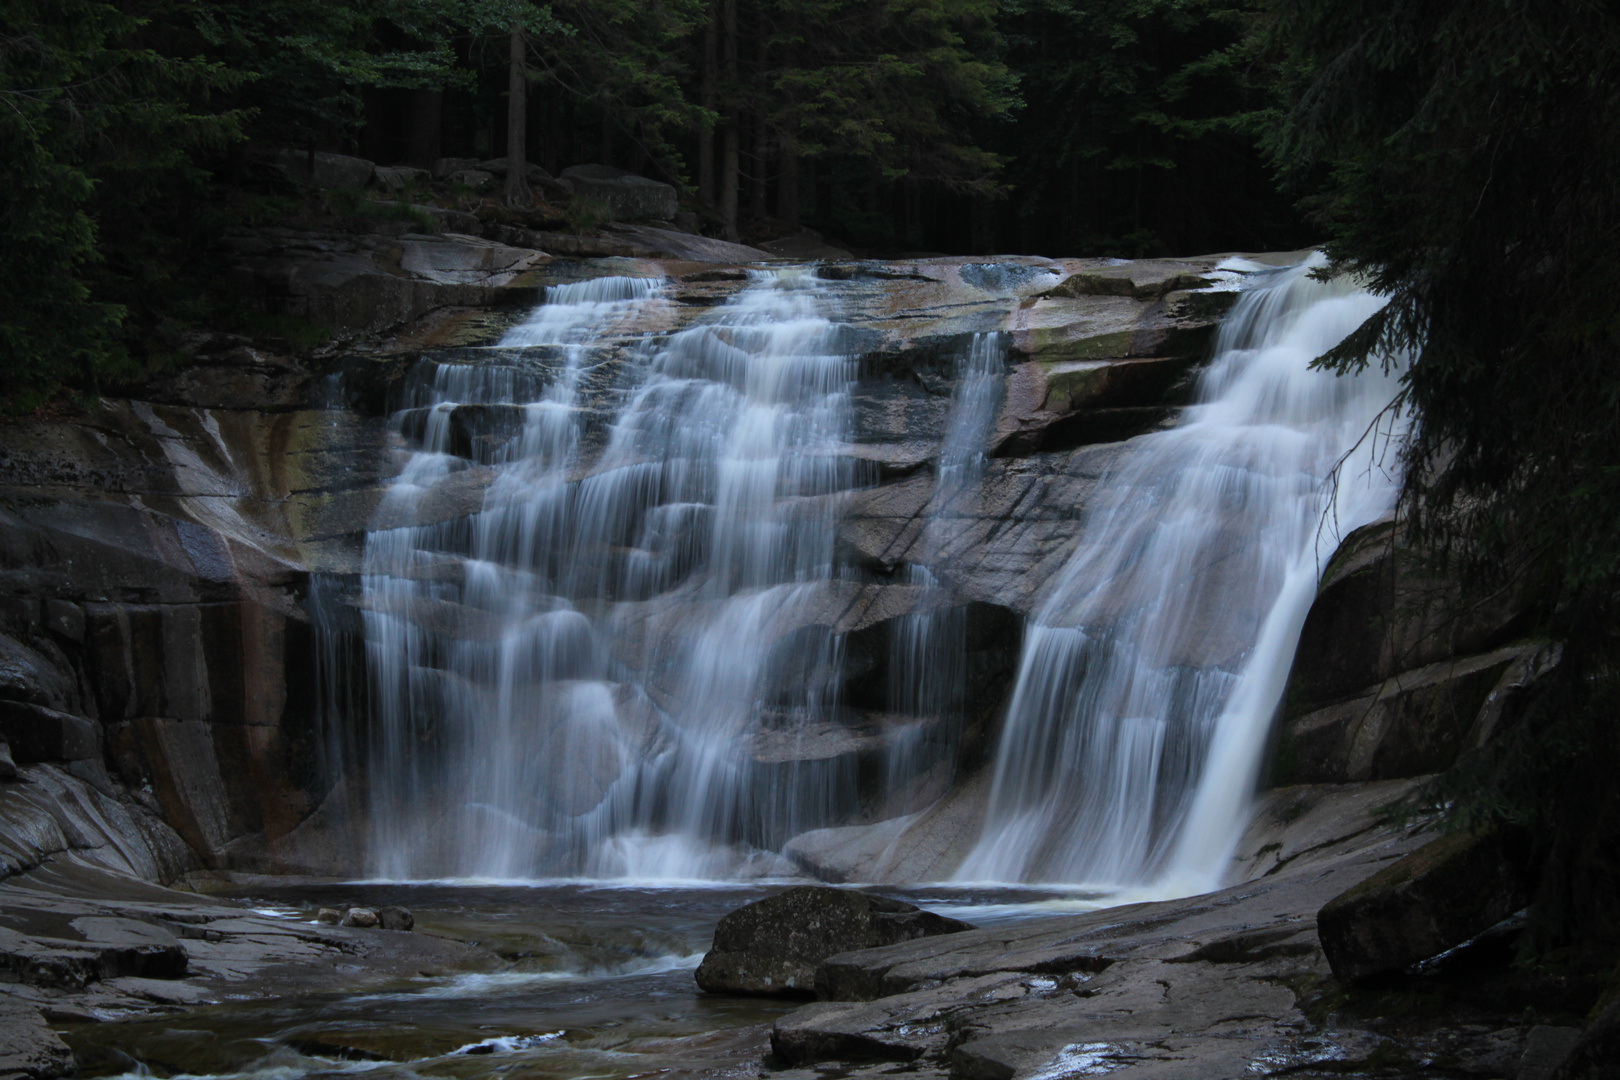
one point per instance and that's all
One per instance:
(927, 676)
(1149, 678)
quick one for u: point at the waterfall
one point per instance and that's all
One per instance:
(600, 601)
(1150, 675)
(574, 678)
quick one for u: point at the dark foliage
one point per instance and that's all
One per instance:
(98, 129)
(1462, 158)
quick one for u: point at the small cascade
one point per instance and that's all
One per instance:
(1149, 678)
(979, 377)
(927, 676)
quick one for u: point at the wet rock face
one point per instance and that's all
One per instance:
(1393, 677)
(1192, 988)
(771, 947)
(155, 554)
(359, 284)
(1432, 900)
(153, 645)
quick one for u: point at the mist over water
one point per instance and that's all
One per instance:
(619, 666)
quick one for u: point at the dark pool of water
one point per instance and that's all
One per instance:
(586, 981)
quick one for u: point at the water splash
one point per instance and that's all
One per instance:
(1149, 678)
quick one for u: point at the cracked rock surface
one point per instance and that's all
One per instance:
(1204, 987)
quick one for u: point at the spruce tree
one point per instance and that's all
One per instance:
(1459, 155)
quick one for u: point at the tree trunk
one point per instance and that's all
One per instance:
(728, 180)
(729, 162)
(569, 150)
(605, 157)
(824, 194)
(638, 151)
(981, 240)
(553, 128)
(711, 80)
(787, 184)
(757, 201)
(517, 120)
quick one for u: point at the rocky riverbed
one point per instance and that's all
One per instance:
(567, 980)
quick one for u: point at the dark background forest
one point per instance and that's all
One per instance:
(135, 130)
(1458, 154)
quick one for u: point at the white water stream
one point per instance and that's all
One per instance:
(1149, 679)
(570, 681)
(605, 672)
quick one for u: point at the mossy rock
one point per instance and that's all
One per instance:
(1434, 899)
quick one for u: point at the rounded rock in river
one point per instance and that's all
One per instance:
(772, 946)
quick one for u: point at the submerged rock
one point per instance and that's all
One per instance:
(1432, 900)
(330, 916)
(772, 946)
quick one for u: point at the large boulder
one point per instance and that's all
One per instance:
(627, 196)
(1412, 724)
(27, 675)
(1595, 1055)
(1394, 675)
(1380, 612)
(772, 946)
(1434, 899)
(400, 177)
(324, 170)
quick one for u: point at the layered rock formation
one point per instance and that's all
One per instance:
(158, 550)
(1394, 677)
(159, 681)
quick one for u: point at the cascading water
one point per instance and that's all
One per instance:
(617, 665)
(452, 631)
(927, 679)
(1149, 678)
(572, 679)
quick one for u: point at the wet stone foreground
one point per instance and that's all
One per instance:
(552, 981)
(580, 980)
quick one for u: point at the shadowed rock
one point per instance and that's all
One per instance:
(772, 946)
(28, 1048)
(1432, 900)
